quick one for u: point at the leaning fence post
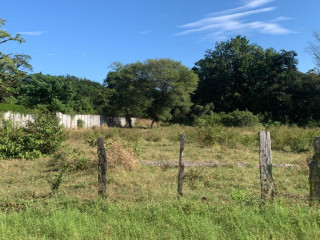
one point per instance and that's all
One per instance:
(314, 175)
(102, 168)
(267, 187)
(181, 165)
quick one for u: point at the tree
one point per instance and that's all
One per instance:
(11, 65)
(52, 92)
(172, 86)
(157, 88)
(131, 90)
(244, 76)
(306, 98)
(89, 97)
(314, 48)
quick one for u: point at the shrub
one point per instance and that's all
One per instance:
(292, 138)
(233, 119)
(80, 123)
(45, 132)
(239, 119)
(13, 142)
(42, 136)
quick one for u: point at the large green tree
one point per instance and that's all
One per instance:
(12, 67)
(159, 89)
(240, 75)
(172, 87)
(130, 88)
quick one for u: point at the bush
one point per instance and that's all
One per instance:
(45, 132)
(293, 138)
(80, 123)
(233, 119)
(42, 136)
(239, 119)
(13, 142)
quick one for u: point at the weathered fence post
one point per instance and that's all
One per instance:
(314, 175)
(181, 165)
(267, 187)
(102, 168)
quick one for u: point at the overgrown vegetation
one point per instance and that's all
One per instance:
(42, 136)
(218, 203)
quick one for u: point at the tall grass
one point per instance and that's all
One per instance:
(218, 203)
(176, 220)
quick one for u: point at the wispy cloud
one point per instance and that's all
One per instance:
(145, 31)
(36, 33)
(236, 20)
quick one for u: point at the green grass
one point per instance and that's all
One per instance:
(176, 220)
(218, 203)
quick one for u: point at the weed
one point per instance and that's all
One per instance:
(57, 180)
(238, 196)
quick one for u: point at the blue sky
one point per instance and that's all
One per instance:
(82, 37)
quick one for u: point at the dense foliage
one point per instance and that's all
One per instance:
(240, 75)
(42, 136)
(11, 66)
(159, 89)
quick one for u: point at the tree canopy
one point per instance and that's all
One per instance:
(240, 75)
(157, 88)
(11, 66)
(66, 94)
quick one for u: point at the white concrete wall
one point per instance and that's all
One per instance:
(70, 122)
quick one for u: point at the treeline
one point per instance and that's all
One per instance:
(67, 94)
(244, 76)
(235, 77)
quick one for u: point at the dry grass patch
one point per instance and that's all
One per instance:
(121, 155)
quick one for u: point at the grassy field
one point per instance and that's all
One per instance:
(218, 203)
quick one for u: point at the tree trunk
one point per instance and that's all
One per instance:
(129, 121)
(152, 123)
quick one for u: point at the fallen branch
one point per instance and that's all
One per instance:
(210, 164)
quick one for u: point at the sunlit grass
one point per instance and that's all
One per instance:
(219, 203)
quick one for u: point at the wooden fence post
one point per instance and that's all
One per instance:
(314, 175)
(102, 168)
(267, 187)
(181, 165)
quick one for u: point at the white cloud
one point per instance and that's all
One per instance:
(36, 33)
(247, 6)
(236, 20)
(257, 3)
(281, 19)
(225, 18)
(145, 32)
